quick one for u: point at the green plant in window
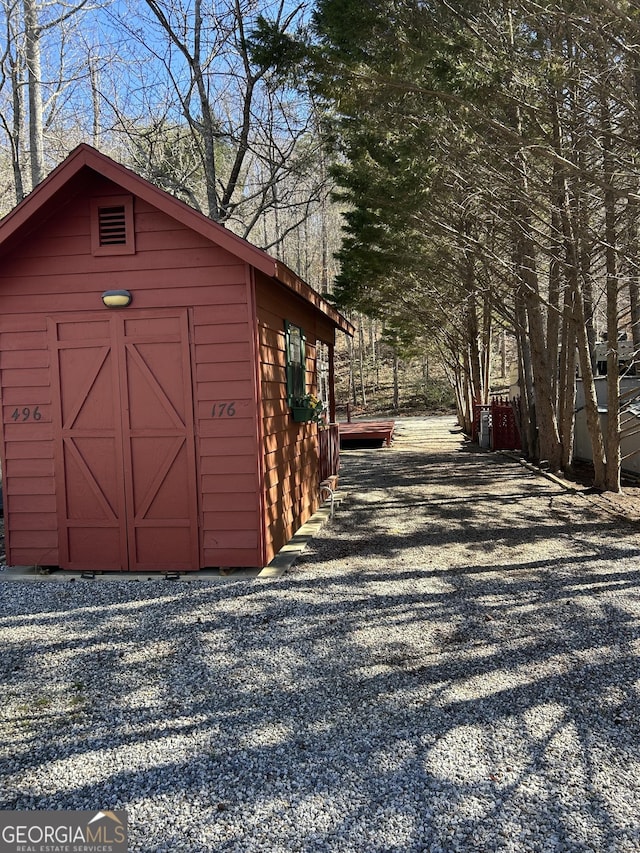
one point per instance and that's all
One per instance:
(308, 408)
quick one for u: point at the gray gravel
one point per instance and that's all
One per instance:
(452, 665)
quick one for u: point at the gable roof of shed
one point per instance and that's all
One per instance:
(86, 157)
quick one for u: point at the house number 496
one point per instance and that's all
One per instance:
(223, 410)
(27, 414)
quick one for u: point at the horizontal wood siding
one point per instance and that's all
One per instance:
(173, 266)
(28, 475)
(291, 493)
(226, 418)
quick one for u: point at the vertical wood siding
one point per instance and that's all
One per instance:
(173, 266)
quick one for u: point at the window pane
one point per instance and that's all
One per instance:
(296, 385)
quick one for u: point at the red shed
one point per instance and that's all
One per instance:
(156, 436)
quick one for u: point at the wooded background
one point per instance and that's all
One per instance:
(462, 179)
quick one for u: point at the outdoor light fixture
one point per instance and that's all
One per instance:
(116, 298)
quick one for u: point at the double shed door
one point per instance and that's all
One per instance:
(125, 454)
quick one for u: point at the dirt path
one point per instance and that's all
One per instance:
(434, 498)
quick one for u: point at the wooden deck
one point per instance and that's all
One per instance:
(367, 431)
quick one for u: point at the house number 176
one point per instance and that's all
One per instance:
(223, 410)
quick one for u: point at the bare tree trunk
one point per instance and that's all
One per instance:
(374, 356)
(589, 388)
(396, 381)
(203, 124)
(467, 392)
(633, 251)
(528, 427)
(352, 372)
(15, 135)
(585, 266)
(34, 85)
(553, 310)
(455, 374)
(612, 481)
(567, 379)
(548, 438)
(363, 389)
(324, 237)
(475, 367)
(634, 238)
(95, 101)
(486, 347)
(563, 350)
(575, 281)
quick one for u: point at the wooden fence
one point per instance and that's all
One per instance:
(503, 423)
(329, 451)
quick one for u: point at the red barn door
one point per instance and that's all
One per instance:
(125, 456)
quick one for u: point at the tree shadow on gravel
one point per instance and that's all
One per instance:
(487, 703)
(407, 506)
(497, 711)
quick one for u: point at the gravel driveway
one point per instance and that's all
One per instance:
(452, 665)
